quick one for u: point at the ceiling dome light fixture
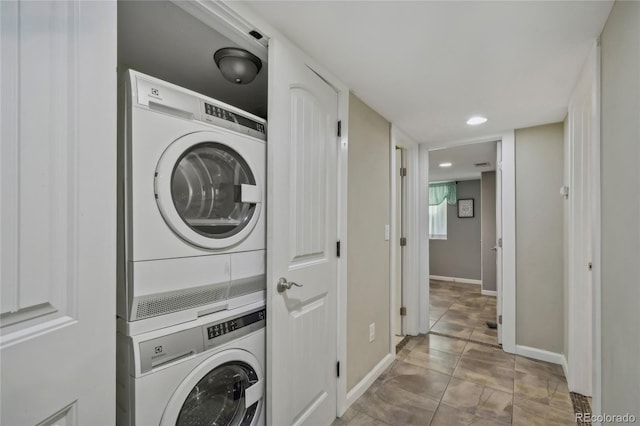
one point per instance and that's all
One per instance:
(445, 164)
(237, 65)
(475, 120)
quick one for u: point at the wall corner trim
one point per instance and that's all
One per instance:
(565, 367)
(455, 280)
(542, 355)
(358, 390)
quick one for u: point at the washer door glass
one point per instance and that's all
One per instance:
(206, 187)
(219, 398)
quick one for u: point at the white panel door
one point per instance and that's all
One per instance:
(301, 242)
(581, 137)
(58, 222)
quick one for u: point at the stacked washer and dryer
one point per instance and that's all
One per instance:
(191, 301)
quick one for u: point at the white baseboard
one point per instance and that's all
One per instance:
(541, 355)
(455, 280)
(368, 380)
(489, 293)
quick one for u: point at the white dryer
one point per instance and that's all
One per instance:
(194, 217)
(204, 373)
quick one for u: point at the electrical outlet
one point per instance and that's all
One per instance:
(387, 232)
(372, 332)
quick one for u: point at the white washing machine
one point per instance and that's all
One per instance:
(204, 373)
(194, 216)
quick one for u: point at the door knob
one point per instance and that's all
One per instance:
(284, 285)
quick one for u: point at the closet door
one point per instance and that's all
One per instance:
(58, 212)
(302, 263)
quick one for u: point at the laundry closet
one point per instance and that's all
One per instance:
(192, 107)
(155, 249)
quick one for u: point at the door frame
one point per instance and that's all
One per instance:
(508, 211)
(239, 16)
(499, 229)
(399, 205)
(498, 220)
(597, 231)
(411, 288)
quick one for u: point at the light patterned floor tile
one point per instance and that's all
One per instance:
(479, 400)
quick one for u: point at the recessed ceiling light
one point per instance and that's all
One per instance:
(445, 164)
(473, 121)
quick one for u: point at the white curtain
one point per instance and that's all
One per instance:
(438, 221)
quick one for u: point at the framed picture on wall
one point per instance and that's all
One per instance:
(465, 207)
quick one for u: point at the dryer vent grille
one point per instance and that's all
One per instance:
(248, 285)
(165, 303)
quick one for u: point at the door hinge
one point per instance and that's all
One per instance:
(403, 171)
(590, 266)
(500, 242)
(338, 369)
(339, 128)
(403, 311)
(499, 319)
(338, 248)
(403, 241)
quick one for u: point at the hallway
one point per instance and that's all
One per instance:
(437, 380)
(460, 310)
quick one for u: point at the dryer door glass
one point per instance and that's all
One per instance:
(219, 398)
(207, 189)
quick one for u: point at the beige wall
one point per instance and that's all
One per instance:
(459, 255)
(368, 252)
(621, 210)
(540, 237)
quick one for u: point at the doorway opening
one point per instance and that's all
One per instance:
(463, 242)
(405, 289)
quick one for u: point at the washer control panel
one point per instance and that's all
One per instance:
(222, 328)
(155, 353)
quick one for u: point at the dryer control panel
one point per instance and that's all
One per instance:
(170, 99)
(251, 127)
(155, 353)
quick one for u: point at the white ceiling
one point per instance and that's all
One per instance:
(428, 66)
(463, 159)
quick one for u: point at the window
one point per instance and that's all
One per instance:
(440, 195)
(438, 221)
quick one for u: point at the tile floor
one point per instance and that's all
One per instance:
(459, 310)
(438, 380)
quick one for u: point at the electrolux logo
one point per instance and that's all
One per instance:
(159, 352)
